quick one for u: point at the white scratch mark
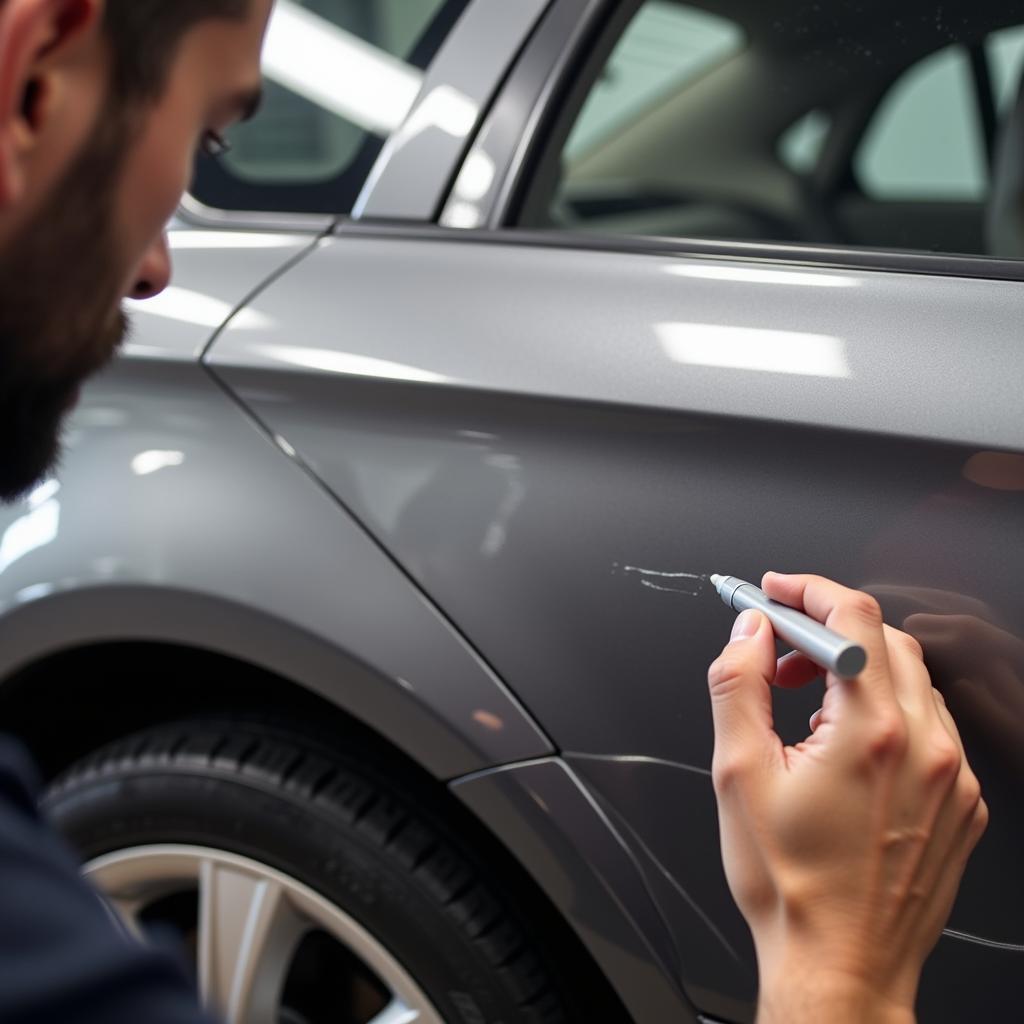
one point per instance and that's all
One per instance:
(688, 584)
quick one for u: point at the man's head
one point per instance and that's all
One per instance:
(102, 108)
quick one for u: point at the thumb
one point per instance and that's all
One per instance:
(741, 699)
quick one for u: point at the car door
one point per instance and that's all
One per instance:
(634, 353)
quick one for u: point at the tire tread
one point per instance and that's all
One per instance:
(472, 902)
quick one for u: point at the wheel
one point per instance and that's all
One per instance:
(307, 890)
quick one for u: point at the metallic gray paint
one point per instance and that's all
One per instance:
(214, 272)
(875, 352)
(175, 519)
(524, 452)
(544, 814)
(411, 176)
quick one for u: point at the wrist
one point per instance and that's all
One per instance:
(803, 989)
(803, 999)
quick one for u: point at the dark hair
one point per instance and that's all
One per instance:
(144, 35)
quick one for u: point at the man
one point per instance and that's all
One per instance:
(102, 108)
(844, 853)
(101, 120)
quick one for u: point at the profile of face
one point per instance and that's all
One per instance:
(88, 180)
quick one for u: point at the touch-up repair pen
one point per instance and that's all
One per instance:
(822, 645)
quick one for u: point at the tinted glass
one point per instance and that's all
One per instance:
(926, 139)
(340, 76)
(855, 123)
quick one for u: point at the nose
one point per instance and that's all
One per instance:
(154, 272)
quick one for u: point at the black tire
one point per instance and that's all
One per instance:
(384, 856)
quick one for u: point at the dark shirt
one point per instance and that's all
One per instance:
(63, 957)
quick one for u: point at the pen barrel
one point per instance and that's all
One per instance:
(823, 646)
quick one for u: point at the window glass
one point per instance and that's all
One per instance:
(925, 141)
(801, 145)
(664, 46)
(1006, 59)
(708, 127)
(339, 77)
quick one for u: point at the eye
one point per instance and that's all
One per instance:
(214, 144)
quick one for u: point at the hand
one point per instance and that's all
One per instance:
(844, 853)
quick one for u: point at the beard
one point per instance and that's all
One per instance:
(61, 280)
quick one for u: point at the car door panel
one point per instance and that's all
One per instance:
(558, 444)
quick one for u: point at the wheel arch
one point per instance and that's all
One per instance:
(79, 666)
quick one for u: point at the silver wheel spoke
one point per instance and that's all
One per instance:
(248, 932)
(397, 1012)
(252, 919)
(128, 910)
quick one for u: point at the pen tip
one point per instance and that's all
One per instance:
(716, 580)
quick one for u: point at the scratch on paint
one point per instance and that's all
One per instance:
(686, 583)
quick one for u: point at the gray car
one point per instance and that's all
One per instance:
(362, 634)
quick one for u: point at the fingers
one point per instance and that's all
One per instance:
(796, 670)
(910, 679)
(740, 686)
(850, 612)
(947, 721)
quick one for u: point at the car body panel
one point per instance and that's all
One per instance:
(274, 573)
(214, 273)
(559, 466)
(695, 334)
(547, 818)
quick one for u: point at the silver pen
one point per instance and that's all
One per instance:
(822, 645)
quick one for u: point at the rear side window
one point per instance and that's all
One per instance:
(926, 139)
(339, 78)
(831, 124)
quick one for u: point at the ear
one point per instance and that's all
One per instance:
(39, 39)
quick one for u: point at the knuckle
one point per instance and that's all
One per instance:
(725, 672)
(908, 643)
(865, 607)
(944, 761)
(976, 824)
(970, 792)
(980, 821)
(728, 771)
(888, 737)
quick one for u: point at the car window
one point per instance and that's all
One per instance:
(840, 124)
(663, 47)
(926, 140)
(801, 144)
(339, 77)
(1005, 51)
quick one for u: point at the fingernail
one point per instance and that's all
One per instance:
(745, 625)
